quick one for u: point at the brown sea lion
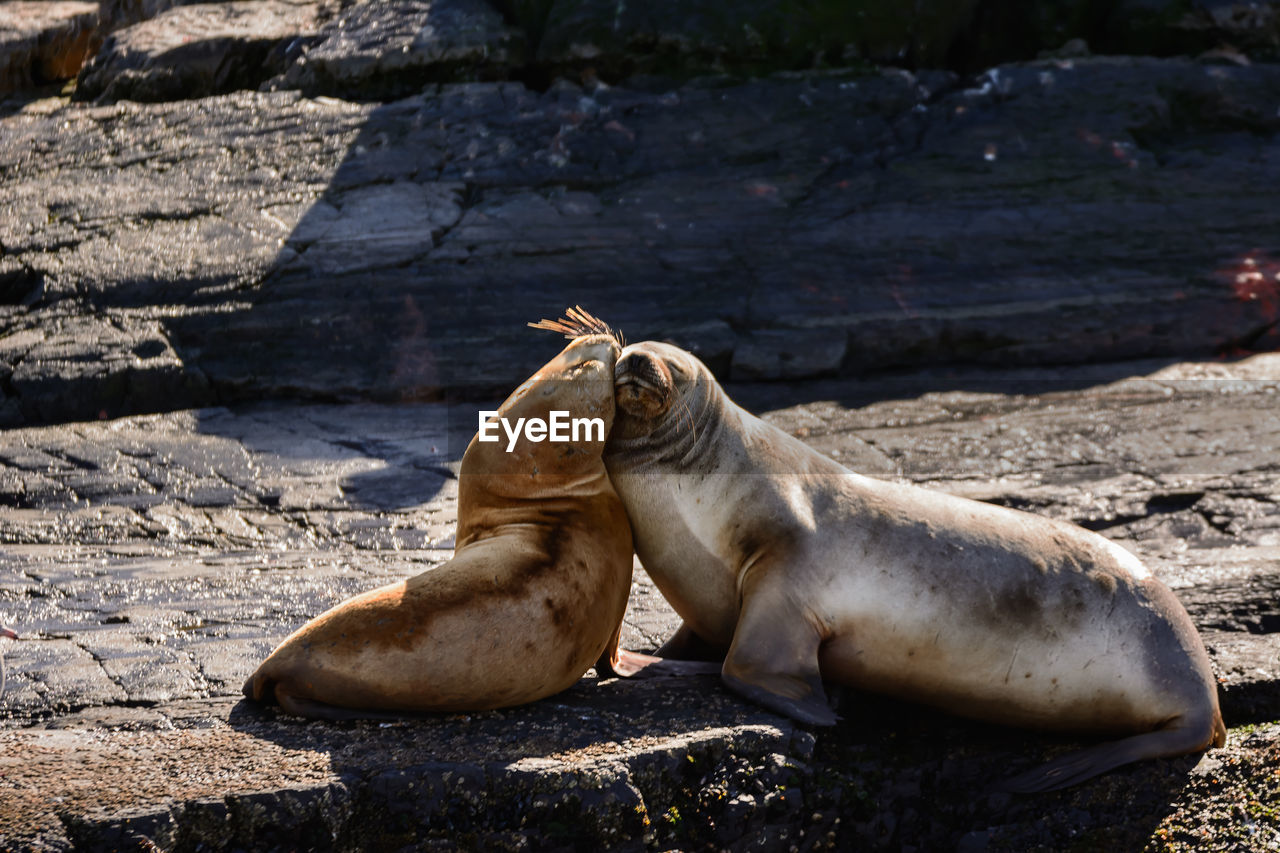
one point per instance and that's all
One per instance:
(533, 596)
(796, 569)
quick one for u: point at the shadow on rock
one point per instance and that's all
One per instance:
(362, 458)
(897, 774)
(855, 393)
(394, 488)
(601, 763)
(706, 769)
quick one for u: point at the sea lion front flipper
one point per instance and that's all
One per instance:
(774, 657)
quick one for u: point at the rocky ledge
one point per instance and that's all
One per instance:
(152, 561)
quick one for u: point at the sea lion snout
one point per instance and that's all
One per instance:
(602, 348)
(643, 384)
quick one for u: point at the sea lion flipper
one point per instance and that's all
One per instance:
(607, 663)
(811, 708)
(628, 664)
(314, 709)
(774, 656)
(685, 644)
(1178, 738)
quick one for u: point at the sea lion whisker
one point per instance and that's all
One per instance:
(688, 416)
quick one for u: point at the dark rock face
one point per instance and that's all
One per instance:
(1056, 212)
(194, 51)
(41, 42)
(389, 50)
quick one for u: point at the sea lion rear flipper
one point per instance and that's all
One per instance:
(628, 664)
(1179, 737)
(684, 644)
(617, 662)
(774, 657)
(607, 663)
(267, 690)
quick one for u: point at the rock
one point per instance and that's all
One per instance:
(375, 227)
(230, 775)
(879, 221)
(121, 13)
(666, 37)
(1249, 674)
(199, 50)
(789, 354)
(66, 367)
(152, 561)
(389, 50)
(1251, 29)
(41, 42)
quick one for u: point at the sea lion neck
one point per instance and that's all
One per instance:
(532, 489)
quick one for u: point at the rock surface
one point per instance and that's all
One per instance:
(41, 42)
(280, 246)
(384, 196)
(151, 562)
(392, 49)
(198, 50)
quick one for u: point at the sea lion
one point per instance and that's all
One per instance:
(796, 569)
(533, 596)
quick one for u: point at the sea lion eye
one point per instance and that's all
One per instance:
(679, 372)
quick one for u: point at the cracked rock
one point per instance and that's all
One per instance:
(389, 50)
(195, 51)
(287, 247)
(41, 42)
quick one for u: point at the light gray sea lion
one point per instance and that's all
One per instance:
(533, 596)
(796, 569)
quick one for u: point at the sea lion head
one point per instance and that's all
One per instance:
(576, 385)
(657, 385)
(532, 439)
